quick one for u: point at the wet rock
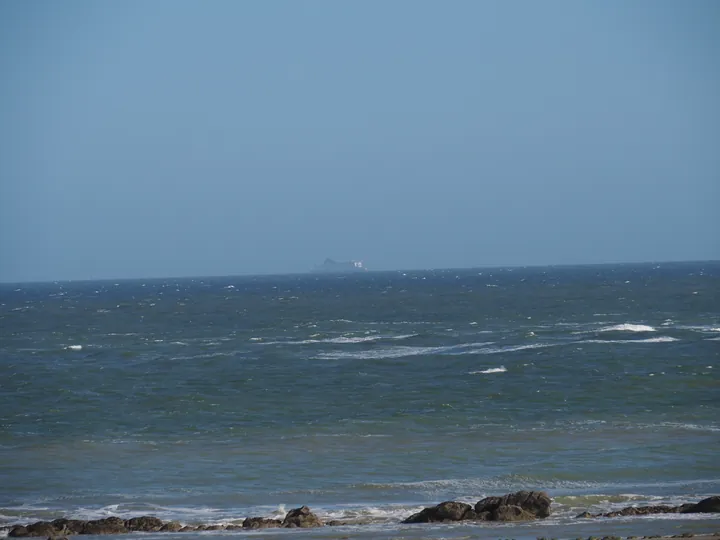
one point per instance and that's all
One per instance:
(261, 523)
(18, 531)
(445, 511)
(57, 538)
(511, 513)
(144, 524)
(171, 526)
(584, 515)
(188, 528)
(301, 517)
(40, 528)
(709, 505)
(536, 503)
(216, 528)
(68, 526)
(111, 525)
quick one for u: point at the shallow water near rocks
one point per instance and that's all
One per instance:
(364, 396)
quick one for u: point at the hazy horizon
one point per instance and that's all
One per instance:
(310, 273)
(181, 139)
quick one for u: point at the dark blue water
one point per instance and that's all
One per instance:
(366, 395)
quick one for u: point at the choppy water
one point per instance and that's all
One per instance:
(211, 399)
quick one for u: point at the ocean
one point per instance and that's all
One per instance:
(365, 396)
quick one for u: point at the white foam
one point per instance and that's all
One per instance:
(500, 369)
(628, 327)
(514, 348)
(403, 351)
(659, 339)
(701, 328)
(341, 340)
(74, 347)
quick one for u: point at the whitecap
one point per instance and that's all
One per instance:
(500, 369)
(659, 339)
(74, 347)
(342, 340)
(628, 327)
(514, 348)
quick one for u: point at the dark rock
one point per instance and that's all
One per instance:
(216, 528)
(301, 517)
(445, 511)
(57, 538)
(69, 526)
(188, 528)
(171, 526)
(42, 528)
(511, 513)
(423, 516)
(144, 524)
(483, 516)
(536, 503)
(111, 525)
(261, 523)
(709, 505)
(18, 531)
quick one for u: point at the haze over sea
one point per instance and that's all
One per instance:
(364, 395)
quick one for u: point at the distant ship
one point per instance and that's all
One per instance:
(335, 267)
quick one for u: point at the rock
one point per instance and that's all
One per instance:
(511, 513)
(111, 525)
(171, 526)
(445, 511)
(144, 524)
(216, 528)
(536, 503)
(42, 528)
(57, 538)
(69, 526)
(188, 528)
(261, 523)
(301, 517)
(18, 531)
(709, 505)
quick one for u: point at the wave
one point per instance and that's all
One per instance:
(500, 369)
(627, 327)
(403, 351)
(74, 347)
(515, 348)
(659, 339)
(342, 340)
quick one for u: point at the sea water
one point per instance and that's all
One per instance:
(365, 396)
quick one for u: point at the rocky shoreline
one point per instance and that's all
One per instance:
(513, 507)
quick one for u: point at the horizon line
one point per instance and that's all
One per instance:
(366, 272)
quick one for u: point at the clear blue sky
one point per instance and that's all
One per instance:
(176, 138)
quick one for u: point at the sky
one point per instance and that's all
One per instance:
(190, 138)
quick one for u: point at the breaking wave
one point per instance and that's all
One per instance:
(627, 327)
(501, 369)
